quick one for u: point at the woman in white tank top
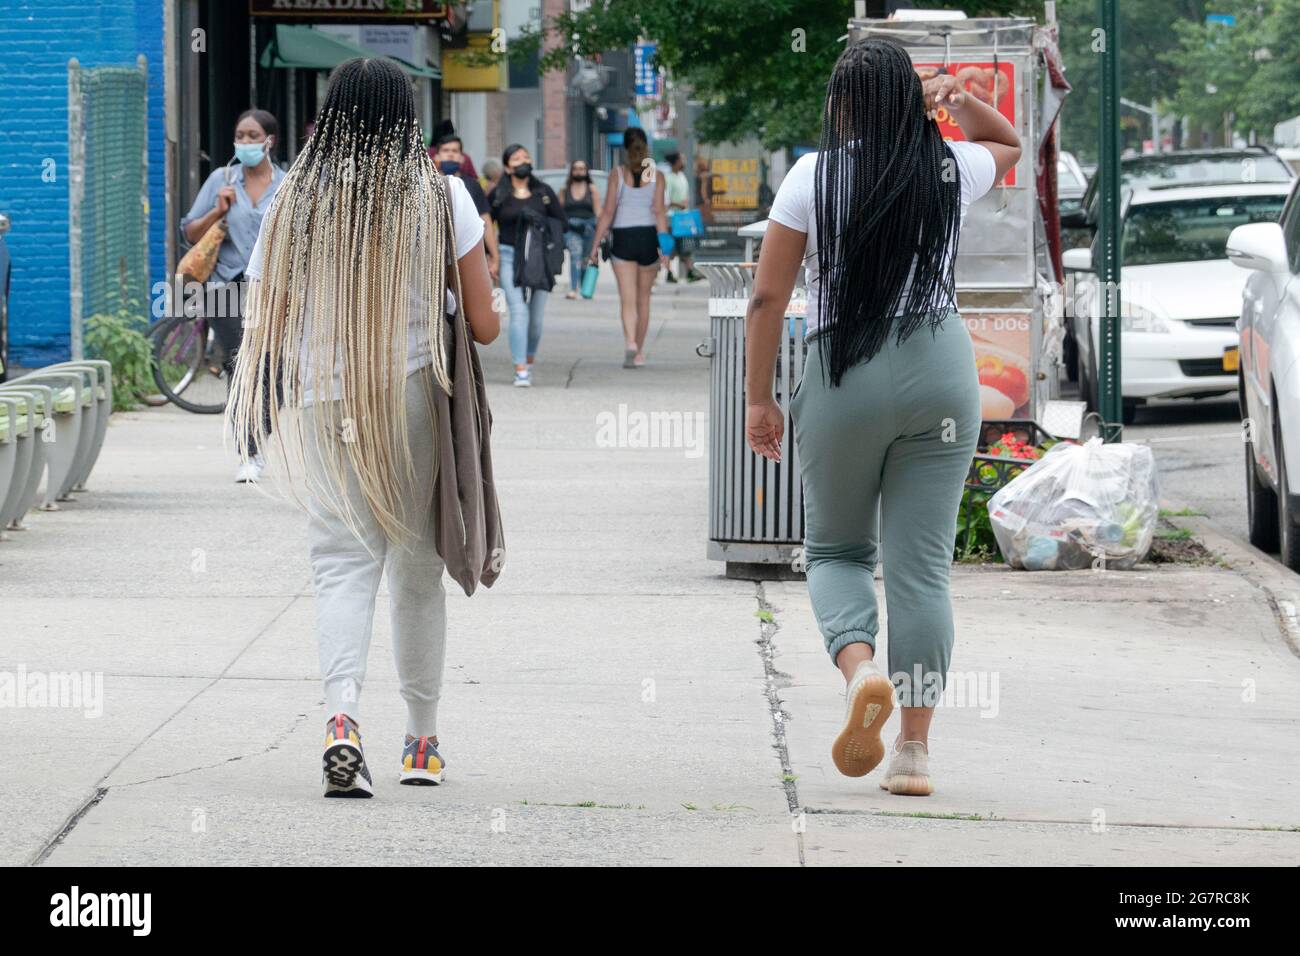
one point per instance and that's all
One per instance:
(634, 210)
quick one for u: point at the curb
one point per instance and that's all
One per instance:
(1278, 586)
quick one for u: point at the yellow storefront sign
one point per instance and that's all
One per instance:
(735, 183)
(469, 70)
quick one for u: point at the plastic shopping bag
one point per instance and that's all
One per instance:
(1079, 506)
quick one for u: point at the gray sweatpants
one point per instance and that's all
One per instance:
(883, 459)
(347, 570)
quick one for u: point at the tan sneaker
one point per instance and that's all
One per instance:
(869, 701)
(909, 770)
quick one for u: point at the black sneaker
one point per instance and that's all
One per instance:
(672, 279)
(693, 276)
(345, 772)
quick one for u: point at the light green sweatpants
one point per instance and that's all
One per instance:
(883, 458)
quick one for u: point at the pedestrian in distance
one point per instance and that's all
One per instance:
(677, 195)
(525, 208)
(581, 198)
(449, 154)
(351, 293)
(241, 192)
(634, 216)
(887, 413)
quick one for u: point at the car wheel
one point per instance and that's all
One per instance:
(1288, 536)
(1261, 506)
(1129, 411)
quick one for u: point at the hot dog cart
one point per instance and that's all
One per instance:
(1008, 259)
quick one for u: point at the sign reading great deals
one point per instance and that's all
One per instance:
(992, 83)
(734, 183)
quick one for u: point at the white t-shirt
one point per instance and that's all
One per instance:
(794, 207)
(419, 353)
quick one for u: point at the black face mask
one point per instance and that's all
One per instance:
(580, 177)
(522, 171)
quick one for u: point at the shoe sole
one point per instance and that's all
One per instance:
(342, 763)
(629, 358)
(908, 786)
(859, 747)
(422, 778)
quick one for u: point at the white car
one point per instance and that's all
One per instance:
(1180, 296)
(1270, 378)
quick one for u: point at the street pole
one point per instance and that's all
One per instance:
(1109, 387)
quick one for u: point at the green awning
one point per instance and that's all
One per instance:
(297, 47)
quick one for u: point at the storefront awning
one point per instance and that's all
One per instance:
(297, 47)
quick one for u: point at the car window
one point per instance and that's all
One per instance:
(1190, 230)
(1291, 229)
(1194, 170)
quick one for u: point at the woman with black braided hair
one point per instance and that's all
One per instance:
(351, 281)
(887, 412)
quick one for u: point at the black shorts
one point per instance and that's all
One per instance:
(639, 244)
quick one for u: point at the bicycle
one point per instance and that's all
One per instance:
(189, 364)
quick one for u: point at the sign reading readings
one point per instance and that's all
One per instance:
(388, 9)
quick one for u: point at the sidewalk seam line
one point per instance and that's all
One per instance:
(101, 791)
(767, 628)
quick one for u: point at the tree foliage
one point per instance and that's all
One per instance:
(759, 66)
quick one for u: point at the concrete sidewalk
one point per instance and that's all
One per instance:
(614, 699)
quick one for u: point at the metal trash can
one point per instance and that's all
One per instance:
(755, 505)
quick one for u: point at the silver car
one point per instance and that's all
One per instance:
(1268, 377)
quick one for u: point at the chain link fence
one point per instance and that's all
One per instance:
(108, 198)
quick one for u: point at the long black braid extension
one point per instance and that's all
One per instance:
(887, 205)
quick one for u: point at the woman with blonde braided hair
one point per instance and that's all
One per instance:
(364, 253)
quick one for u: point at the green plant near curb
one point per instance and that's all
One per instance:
(120, 339)
(975, 540)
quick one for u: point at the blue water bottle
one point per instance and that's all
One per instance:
(589, 275)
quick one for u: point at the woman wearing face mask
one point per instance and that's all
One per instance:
(241, 192)
(581, 198)
(518, 197)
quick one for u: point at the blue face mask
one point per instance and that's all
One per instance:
(250, 154)
(449, 167)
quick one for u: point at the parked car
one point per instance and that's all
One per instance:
(1071, 184)
(1269, 378)
(1192, 167)
(1291, 156)
(1180, 295)
(4, 299)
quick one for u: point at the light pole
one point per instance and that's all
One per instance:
(1109, 380)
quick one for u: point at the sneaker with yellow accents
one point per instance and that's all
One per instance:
(422, 765)
(345, 772)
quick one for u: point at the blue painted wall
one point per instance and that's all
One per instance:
(37, 38)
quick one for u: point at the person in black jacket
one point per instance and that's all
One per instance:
(531, 220)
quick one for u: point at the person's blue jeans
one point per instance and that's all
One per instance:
(577, 239)
(525, 317)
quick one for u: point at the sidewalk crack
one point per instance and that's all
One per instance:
(773, 681)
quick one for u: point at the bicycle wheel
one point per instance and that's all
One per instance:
(185, 369)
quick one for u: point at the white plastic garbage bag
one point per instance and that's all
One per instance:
(1079, 506)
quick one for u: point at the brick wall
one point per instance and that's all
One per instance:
(37, 38)
(555, 105)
